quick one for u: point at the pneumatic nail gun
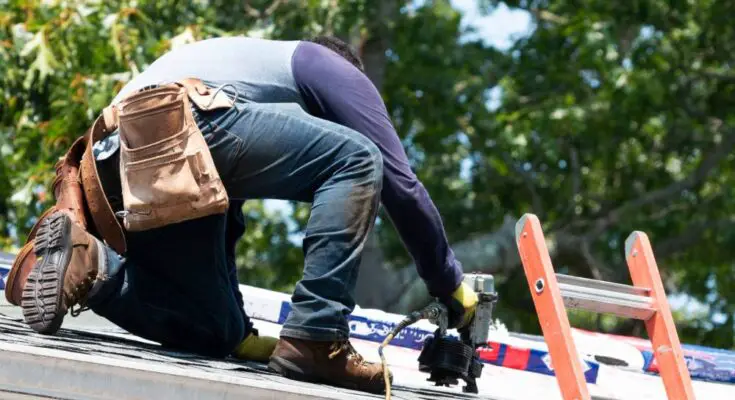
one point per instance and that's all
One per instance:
(444, 357)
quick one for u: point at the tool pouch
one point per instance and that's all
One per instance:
(166, 169)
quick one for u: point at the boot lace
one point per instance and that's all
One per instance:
(75, 312)
(346, 347)
(79, 301)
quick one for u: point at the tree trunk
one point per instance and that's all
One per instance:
(403, 290)
(373, 274)
(380, 17)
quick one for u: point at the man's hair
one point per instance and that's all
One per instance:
(341, 48)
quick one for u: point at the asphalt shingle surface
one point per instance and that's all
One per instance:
(42, 365)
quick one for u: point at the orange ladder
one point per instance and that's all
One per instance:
(645, 300)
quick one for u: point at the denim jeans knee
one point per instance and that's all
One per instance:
(174, 288)
(278, 151)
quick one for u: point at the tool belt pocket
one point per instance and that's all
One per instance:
(166, 169)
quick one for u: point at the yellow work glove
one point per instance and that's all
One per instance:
(255, 348)
(461, 305)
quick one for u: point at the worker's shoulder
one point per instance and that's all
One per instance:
(244, 42)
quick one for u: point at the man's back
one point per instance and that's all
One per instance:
(253, 69)
(259, 69)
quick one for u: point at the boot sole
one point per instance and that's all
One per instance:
(292, 371)
(43, 293)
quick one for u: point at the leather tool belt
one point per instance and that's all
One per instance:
(166, 170)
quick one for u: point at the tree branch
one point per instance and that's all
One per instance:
(528, 181)
(594, 265)
(576, 174)
(251, 11)
(273, 7)
(255, 13)
(494, 253)
(373, 272)
(719, 75)
(548, 16)
(568, 214)
(329, 20)
(664, 212)
(720, 151)
(692, 234)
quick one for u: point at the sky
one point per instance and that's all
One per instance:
(499, 28)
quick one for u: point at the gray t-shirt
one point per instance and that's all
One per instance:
(259, 70)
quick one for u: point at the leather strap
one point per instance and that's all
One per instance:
(67, 186)
(110, 116)
(205, 98)
(103, 217)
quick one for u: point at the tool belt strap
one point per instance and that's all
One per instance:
(103, 217)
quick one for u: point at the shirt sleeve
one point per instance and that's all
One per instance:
(335, 90)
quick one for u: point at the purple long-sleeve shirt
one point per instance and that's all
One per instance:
(335, 90)
(329, 87)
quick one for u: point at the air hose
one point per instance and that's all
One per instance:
(434, 312)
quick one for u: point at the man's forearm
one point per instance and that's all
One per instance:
(420, 227)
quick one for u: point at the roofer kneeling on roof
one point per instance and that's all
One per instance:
(205, 127)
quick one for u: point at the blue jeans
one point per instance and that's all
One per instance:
(176, 284)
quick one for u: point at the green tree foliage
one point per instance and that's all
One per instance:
(612, 116)
(617, 116)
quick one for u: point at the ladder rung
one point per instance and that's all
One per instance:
(605, 297)
(595, 284)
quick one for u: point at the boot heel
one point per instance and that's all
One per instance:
(42, 300)
(290, 370)
(51, 233)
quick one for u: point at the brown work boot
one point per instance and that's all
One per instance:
(333, 363)
(68, 259)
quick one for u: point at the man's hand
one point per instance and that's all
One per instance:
(461, 305)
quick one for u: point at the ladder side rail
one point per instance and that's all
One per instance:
(550, 308)
(661, 328)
